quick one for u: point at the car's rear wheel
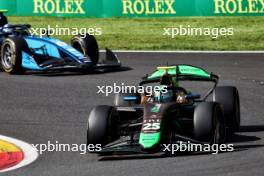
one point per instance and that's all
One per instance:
(11, 55)
(228, 97)
(101, 125)
(209, 123)
(87, 45)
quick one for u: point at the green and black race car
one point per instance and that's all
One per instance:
(141, 123)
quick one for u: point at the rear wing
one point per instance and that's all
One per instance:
(180, 70)
(183, 73)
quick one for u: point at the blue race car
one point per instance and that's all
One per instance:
(22, 51)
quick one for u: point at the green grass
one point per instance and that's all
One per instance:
(147, 33)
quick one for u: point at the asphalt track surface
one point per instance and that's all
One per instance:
(40, 108)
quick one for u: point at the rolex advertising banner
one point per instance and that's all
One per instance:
(133, 8)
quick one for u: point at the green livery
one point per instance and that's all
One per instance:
(148, 140)
(144, 123)
(155, 109)
(179, 70)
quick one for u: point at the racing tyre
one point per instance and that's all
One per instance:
(228, 97)
(11, 55)
(209, 123)
(87, 45)
(101, 125)
(126, 99)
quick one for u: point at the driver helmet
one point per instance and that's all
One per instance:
(163, 95)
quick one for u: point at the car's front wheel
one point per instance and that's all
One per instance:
(101, 125)
(228, 97)
(209, 123)
(11, 55)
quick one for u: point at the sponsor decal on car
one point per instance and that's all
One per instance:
(156, 108)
